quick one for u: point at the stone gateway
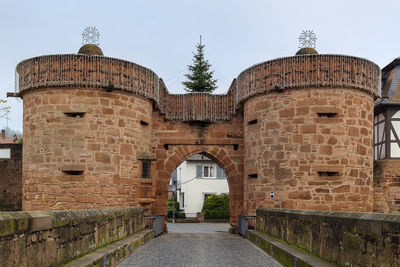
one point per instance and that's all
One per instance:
(104, 132)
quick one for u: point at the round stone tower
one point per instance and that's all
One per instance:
(86, 129)
(308, 132)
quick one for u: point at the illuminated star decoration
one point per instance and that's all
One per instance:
(90, 35)
(307, 39)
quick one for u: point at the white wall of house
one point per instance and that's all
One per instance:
(198, 177)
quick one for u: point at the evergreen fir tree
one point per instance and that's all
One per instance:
(200, 78)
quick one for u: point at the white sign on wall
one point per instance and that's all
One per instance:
(5, 153)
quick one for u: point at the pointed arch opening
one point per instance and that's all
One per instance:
(222, 158)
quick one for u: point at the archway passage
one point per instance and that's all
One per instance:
(220, 155)
(198, 190)
(176, 142)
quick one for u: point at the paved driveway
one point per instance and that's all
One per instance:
(198, 228)
(199, 245)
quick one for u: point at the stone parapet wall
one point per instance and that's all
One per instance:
(342, 238)
(198, 107)
(387, 185)
(52, 238)
(308, 71)
(274, 75)
(11, 178)
(77, 70)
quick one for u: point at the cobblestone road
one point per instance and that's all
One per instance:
(206, 245)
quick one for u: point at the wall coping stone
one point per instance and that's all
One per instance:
(343, 238)
(390, 217)
(40, 220)
(18, 222)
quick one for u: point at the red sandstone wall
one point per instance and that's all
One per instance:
(11, 179)
(290, 144)
(216, 140)
(387, 186)
(104, 143)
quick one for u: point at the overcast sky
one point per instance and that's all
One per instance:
(162, 35)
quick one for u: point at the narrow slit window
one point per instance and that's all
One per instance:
(145, 169)
(327, 114)
(235, 147)
(144, 123)
(74, 114)
(253, 175)
(73, 172)
(328, 173)
(252, 122)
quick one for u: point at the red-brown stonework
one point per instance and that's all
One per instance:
(90, 123)
(67, 131)
(11, 179)
(222, 142)
(309, 161)
(387, 186)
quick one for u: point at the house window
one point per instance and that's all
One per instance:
(182, 201)
(387, 133)
(220, 172)
(208, 171)
(379, 136)
(145, 169)
(205, 171)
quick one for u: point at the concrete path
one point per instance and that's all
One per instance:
(199, 245)
(198, 228)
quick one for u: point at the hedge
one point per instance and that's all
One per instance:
(216, 207)
(174, 206)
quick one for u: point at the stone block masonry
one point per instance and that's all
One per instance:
(11, 178)
(342, 238)
(52, 238)
(387, 186)
(81, 148)
(311, 148)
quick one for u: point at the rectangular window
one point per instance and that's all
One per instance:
(326, 114)
(174, 175)
(146, 169)
(74, 114)
(199, 169)
(5, 153)
(380, 136)
(206, 171)
(252, 122)
(324, 173)
(220, 172)
(182, 203)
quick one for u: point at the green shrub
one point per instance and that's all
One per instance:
(216, 207)
(174, 206)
